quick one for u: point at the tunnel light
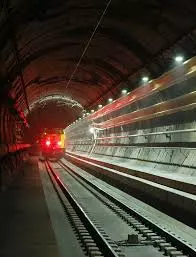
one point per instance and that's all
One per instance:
(91, 130)
(48, 143)
(87, 113)
(92, 111)
(110, 100)
(80, 118)
(179, 59)
(100, 106)
(145, 79)
(124, 91)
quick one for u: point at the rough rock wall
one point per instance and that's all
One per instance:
(12, 149)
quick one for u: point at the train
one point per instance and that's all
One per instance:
(52, 143)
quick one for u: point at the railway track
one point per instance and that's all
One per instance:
(106, 226)
(93, 242)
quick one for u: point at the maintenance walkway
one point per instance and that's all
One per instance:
(25, 226)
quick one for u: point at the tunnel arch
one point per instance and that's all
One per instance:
(41, 42)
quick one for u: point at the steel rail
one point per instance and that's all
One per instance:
(188, 249)
(99, 239)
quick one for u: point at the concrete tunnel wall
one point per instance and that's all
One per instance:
(12, 149)
(158, 153)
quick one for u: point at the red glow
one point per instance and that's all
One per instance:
(48, 143)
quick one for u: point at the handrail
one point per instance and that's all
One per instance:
(151, 134)
(178, 104)
(139, 135)
(182, 103)
(142, 146)
(165, 81)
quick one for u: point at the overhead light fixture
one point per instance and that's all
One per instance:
(100, 106)
(179, 59)
(145, 79)
(91, 130)
(92, 111)
(110, 100)
(124, 91)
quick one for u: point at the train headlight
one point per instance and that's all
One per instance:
(179, 59)
(91, 130)
(48, 143)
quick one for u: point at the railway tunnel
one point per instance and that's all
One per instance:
(119, 78)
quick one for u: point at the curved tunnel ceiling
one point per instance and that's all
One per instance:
(42, 40)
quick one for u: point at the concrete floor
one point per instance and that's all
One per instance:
(25, 226)
(143, 167)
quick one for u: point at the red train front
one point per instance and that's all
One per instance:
(52, 143)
